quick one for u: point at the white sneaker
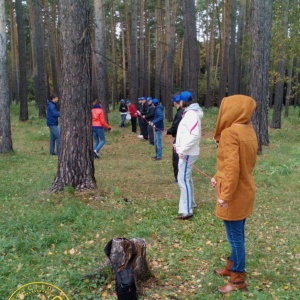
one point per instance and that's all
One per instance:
(140, 136)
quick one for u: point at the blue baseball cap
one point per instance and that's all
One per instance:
(122, 101)
(149, 98)
(186, 96)
(176, 98)
(155, 101)
(128, 101)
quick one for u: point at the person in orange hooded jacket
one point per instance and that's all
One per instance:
(98, 122)
(236, 158)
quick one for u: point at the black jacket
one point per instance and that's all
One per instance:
(150, 113)
(173, 129)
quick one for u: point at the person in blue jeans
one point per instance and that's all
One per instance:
(158, 124)
(52, 122)
(98, 125)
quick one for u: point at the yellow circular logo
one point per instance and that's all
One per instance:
(41, 290)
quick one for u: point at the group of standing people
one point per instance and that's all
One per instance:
(236, 158)
(233, 181)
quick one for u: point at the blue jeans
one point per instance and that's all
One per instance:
(236, 238)
(54, 139)
(158, 144)
(123, 118)
(99, 138)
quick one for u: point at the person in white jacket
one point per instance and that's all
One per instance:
(188, 149)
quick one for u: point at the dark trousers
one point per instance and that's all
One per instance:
(175, 160)
(150, 134)
(133, 124)
(144, 130)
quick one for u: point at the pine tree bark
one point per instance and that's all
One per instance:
(232, 47)
(289, 88)
(101, 54)
(141, 85)
(170, 19)
(260, 57)
(114, 90)
(5, 131)
(278, 101)
(22, 62)
(191, 51)
(75, 160)
(39, 70)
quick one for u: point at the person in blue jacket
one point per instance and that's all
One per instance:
(158, 124)
(52, 123)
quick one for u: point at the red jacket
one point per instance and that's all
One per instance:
(98, 117)
(132, 110)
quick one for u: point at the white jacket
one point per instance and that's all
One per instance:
(189, 131)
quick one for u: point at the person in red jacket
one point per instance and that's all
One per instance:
(132, 112)
(98, 122)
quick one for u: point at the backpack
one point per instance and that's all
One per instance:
(125, 281)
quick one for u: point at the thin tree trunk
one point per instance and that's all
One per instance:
(5, 132)
(132, 63)
(158, 49)
(22, 62)
(239, 47)
(225, 56)
(141, 87)
(289, 88)
(75, 160)
(232, 47)
(51, 49)
(278, 101)
(39, 71)
(124, 63)
(171, 15)
(260, 57)
(114, 95)
(100, 54)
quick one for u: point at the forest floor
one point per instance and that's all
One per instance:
(59, 238)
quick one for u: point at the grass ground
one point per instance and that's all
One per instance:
(59, 238)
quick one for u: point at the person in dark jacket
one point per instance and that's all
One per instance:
(143, 108)
(149, 117)
(173, 131)
(123, 112)
(52, 123)
(158, 124)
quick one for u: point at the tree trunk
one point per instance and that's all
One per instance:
(114, 94)
(132, 63)
(100, 54)
(124, 63)
(51, 49)
(239, 47)
(225, 56)
(260, 57)
(22, 62)
(120, 254)
(278, 101)
(191, 73)
(5, 132)
(289, 88)
(75, 161)
(171, 15)
(232, 47)
(39, 71)
(141, 85)
(158, 49)
(14, 87)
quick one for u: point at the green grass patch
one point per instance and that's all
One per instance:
(59, 238)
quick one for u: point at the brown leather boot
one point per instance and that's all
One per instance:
(227, 270)
(236, 282)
